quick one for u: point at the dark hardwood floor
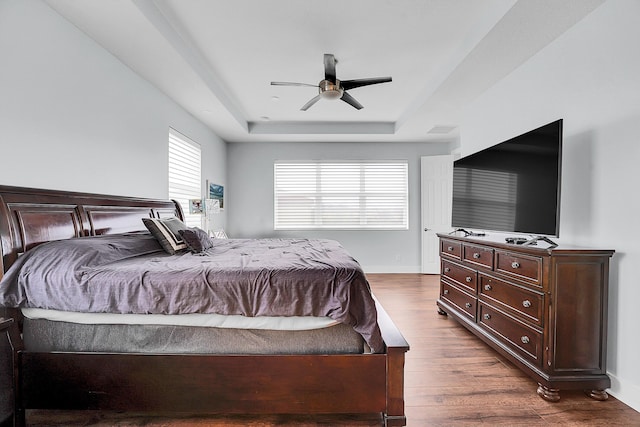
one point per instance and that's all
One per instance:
(452, 379)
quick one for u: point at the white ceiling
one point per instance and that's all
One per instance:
(216, 58)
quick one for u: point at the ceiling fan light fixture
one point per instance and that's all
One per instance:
(331, 94)
(330, 90)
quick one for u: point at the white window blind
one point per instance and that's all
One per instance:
(185, 180)
(341, 195)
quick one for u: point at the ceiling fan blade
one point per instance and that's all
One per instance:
(312, 101)
(350, 84)
(291, 84)
(330, 67)
(351, 101)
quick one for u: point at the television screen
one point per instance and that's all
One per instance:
(513, 186)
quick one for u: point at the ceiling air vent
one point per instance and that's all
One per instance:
(441, 129)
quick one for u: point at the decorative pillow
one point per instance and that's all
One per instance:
(167, 232)
(197, 240)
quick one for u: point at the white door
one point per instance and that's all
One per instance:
(436, 177)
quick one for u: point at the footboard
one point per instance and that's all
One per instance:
(396, 348)
(239, 384)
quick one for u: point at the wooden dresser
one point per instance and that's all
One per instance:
(544, 309)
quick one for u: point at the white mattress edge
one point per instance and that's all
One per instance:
(291, 323)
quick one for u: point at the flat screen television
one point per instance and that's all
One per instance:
(513, 186)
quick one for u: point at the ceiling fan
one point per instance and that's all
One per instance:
(332, 88)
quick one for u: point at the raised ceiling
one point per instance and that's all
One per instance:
(217, 58)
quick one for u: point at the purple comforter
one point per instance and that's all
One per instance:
(130, 273)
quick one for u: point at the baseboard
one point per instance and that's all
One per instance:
(397, 269)
(627, 393)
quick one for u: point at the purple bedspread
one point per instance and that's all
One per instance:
(130, 273)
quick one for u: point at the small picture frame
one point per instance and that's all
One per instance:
(196, 206)
(216, 192)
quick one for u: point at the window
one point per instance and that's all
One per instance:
(185, 180)
(341, 195)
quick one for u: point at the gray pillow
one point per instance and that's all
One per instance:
(167, 232)
(197, 240)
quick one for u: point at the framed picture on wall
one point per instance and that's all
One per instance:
(216, 192)
(195, 206)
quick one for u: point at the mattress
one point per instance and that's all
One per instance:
(55, 330)
(41, 335)
(279, 323)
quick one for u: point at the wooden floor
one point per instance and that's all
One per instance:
(452, 379)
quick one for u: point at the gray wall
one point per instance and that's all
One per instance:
(250, 197)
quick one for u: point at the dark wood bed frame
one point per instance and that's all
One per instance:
(204, 384)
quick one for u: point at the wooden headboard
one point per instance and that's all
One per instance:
(30, 216)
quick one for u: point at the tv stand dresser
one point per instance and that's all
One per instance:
(544, 309)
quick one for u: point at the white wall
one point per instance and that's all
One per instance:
(250, 198)
(73, 117)
(590, 77)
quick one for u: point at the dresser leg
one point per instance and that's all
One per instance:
(441, 312)
(548, 394)
(597, 394)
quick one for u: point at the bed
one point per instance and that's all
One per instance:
(286, 380)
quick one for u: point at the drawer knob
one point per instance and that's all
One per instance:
(450, 248)
(468, 305)
(447, 269)
(487, 316)
(446, 292)
(487, 287)
(476, 255)
(524, 339)
(526, 303)
(468, 279)
(515, 264)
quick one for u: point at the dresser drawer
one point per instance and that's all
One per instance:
(464, 302)
(478, 255)
(520, 337)
(519, 265)
(524, 302)
(463, 276)
(451, 248)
